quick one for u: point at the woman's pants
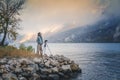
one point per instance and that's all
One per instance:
(39, 49)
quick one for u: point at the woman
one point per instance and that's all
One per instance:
(39, 44)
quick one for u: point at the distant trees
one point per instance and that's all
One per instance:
(9, 9)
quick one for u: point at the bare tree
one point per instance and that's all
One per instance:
(8, 20)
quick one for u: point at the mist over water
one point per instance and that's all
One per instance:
(98, 61)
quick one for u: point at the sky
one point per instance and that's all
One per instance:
(56, 15)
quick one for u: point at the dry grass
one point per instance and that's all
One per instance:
(11, 51)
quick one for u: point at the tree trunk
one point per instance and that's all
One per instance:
(4, 36)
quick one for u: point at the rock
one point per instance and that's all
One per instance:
(1, 78)
(3, 61)
(9, 76)
(37, 60)
(31, 69)
(3, 69)
(13, 62)
(23, 63)
(35, 66)
(55, 70)
(61, 74)
(36, 77)
(54, 77)
(12, 67)
(21, 77)
(26, 74)
(74, 67)
(41, 65)
(44, 77)
(66, 67)
(48, 63)
(54, 63)
(17, 71)
(7, 67)
(46, 71)
(61, 58)
(45, 56)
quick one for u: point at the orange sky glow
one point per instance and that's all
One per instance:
(40, 15)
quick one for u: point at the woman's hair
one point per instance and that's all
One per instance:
(39, 34)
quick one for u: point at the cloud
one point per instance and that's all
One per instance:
(39, 15)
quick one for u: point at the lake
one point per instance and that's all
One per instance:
(98, 61)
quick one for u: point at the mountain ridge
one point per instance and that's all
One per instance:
(102, 31)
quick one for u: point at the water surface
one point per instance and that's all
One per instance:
(98, 61)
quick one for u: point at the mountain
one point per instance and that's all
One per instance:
(107, 30)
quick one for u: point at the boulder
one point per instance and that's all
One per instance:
(54, 63)
(26, 74)
(47, 64)
(44, 77)
(31, 69)
(74, 67)
(24, 63)
(37, 60)
(46, 71)
(7, 67)
(61, 74)
(9, 76)
(36, 67)
(3, 70)
(36, 77)
(55, 70)
(3, 61)
(41, 65)
(18, 70)
(66, 67)
(54, 77)
(21, 77)
(1, 78)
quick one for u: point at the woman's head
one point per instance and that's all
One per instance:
(39, 34)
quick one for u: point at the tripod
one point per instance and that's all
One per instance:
(46, 46)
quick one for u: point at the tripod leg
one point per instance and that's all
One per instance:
(44, 50)
(49, 50)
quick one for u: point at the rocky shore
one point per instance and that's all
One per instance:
(51, 67)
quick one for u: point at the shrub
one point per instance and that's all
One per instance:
(29, 48)
(22, 47)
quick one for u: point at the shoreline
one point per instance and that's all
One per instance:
(50, 67)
